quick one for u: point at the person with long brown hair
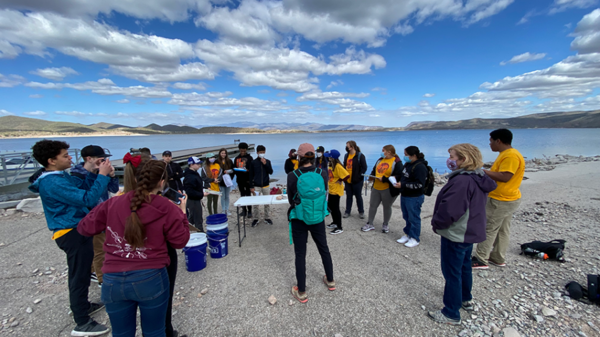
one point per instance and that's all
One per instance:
(356, 165)
(138, 224)
(227, 167)
(211, 174)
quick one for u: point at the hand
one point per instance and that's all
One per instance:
(397, 185)
(371, 179)
(183, 204)
(264, 161)
(216, 180)
(252, 190)
(112, 172)
(105, 168)
(379, 178)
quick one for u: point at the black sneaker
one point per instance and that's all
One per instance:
(468, 306)
(91, 328)
(336, 231)
(243, 212)
(249, 215)
(95, 307)
(332, 226)
(94, 278)
(255, 223)
(478, 264)
(269, 221)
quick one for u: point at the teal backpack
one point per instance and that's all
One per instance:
(311, 199)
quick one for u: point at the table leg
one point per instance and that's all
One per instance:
(238, 224)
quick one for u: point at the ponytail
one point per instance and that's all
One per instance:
(414, 151)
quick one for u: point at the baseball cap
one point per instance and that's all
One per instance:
(167, 154)
(194, 160)
(210, 155)
(321, 149)
(305, 148)
(335, 154)
(94, 151)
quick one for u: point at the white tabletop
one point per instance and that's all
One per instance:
(260, 200)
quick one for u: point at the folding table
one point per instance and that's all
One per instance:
(255, 201)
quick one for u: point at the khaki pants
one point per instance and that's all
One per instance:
(98, 255)
(497, 231)
(255, 210)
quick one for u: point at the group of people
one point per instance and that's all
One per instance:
(130, 240)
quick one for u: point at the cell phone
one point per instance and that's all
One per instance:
(173, 195)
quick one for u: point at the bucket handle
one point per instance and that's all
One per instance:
(189, 248)
(225, 239)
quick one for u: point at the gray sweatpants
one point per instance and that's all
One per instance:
(381, 197)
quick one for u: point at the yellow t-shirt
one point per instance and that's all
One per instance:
(384, 169)
(296, 162)
(336, 176)
(349, 164)
(214, 169)
(509, 161)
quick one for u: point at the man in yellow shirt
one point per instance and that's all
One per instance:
(507, 171)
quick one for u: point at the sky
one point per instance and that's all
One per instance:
(216, 62)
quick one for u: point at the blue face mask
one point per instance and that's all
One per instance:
(406, 159)
(382, 154)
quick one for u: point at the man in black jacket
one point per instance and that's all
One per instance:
(174, 170)
(356, 164)
(242, 162)
(260, 169)
(194, 188)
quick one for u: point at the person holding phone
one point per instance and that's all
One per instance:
(194, 188)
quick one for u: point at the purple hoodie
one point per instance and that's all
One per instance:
(459, 213)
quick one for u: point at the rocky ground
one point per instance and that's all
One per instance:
(383, 288)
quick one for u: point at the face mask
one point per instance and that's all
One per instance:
(212, 160)
(261, 155)
(406, 159)
(347, 149)
(382, 154)
(319, 154)
(451, 164)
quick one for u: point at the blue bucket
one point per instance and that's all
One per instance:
(195, 252)
(217, 229)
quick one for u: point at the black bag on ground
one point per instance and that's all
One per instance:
(553, 249)
(589, 295)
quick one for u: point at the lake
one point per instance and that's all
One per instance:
(434, 144)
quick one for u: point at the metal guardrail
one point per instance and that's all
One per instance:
(16, 167)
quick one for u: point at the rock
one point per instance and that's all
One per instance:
(291, 303)
(538, 318)
(37, 301)
(31, 205)
(199, 295)
(272, 300)
(423, 307)
(9, 211)
(510, 332)
(556, 294)
(29, 310)
(204, 291)
(484, 274)
(35, 271)
(13, 324)
(548, 312)
(338, 335)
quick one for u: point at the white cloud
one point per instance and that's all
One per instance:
(123, 101)
(72, 113)
(562, 5)
(335, 84)
(11, 81)
(525, 57)
(189, 86)
(5, 113)
(36, 96)
(35, 113)
(56, 74)
(379, 89)
(429, 95)
(345, 105)
(105, 86)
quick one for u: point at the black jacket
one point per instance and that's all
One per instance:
(243, 178)
(175, 174)
(413, 180)
(396, 172)
(259, 173)
(322, 163)
(359, 167)
(193, 184)
(289, 165)
(292, 182)
(224, 168)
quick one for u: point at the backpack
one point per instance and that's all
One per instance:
(589, 295)
(553, 249)
(311, 198)
(429, 181)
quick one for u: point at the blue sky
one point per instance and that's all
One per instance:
(380, 63)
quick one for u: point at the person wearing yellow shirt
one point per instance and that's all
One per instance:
(507, 171)
(211, 175)
(388, 165)
(291, 164)
(337, 176)
(356, 165)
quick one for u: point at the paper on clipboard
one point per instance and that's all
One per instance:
(369, 176)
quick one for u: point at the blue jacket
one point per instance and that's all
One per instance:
(85, 180)
(64, 203)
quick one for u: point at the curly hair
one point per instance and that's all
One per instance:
(150, 174)
(47, 149)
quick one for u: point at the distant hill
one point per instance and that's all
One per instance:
(24, 124)
(576, 119)
(309, 127)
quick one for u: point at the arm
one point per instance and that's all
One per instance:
(325, 175)
(95, 221)
(363, 164)
(67, 192)
(269, 167)
(289, 166)
(292, 188)
(113, 185)
(502, 177)
(452, 206)
(250, 167)
(178, 172)
(176, 230)
(189, 185)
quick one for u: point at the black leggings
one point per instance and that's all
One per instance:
(172, 272)
(333, 203)
(300, 236)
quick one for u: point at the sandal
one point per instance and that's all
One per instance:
(330, 285)
(301, 298)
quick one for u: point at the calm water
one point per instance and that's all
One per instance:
(434, 144)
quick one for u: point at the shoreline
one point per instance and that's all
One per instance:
(74, 136)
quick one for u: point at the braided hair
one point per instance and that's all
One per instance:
(150, 174)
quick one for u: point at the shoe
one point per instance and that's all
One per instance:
(331, 226)
(361, 215)
(91, 328)
(336, 231)
(255, 223)
(496, 263)
(411, 243)
(403, 239)
(330, 285)
(437, 316)
(243, 212)
(228, 213)
(93, 277)
(367, 227)
(302, 298)
(99, 285)
(176, 334)
(249, 215)
(385, 229)
(95, 307)
(478, 264)
(346, 215)
(467, 306)
(269, 221)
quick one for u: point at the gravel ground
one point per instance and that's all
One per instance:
(383, 288)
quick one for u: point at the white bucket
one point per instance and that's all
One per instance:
(196, 239)
(217, 227)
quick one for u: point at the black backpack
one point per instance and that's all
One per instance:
(553, 249)
(429, 182)
(591, 293)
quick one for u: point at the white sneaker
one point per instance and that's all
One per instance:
(403, 239)
(411, 243)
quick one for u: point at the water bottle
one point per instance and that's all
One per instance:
(535, 253)
(285, 190)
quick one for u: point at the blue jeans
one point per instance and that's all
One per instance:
(225, 198)
(457, 271)
(122, 293)
(411, 213)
